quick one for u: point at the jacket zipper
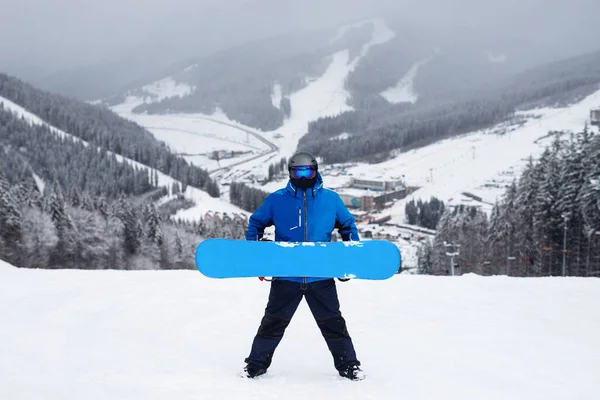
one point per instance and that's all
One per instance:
(305, 224)
(305, 219)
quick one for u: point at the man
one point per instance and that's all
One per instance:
(303, 212)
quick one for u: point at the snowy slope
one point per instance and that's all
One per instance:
(196, 135)
(204, 202)
(327, 95)
(276, 96)
(472, 162)
(404, 91)
(480, 162)
(323, 96)
(175, 335)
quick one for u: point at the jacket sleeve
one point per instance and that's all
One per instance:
(262, 218)
(344, 222)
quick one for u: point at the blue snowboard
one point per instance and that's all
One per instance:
(226, 258)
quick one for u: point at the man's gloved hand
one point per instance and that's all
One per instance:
(263, 239)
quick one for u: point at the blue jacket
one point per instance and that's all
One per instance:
(303, 216)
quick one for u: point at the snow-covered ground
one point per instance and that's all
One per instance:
(178, 335)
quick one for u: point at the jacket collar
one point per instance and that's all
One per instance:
(314, 190)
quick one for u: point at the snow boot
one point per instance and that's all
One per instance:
(352, 372)
(253, 371)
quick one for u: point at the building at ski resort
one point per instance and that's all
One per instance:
(225, 154)
(376, 185)
(371, 194)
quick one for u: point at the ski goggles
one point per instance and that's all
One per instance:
(303, 171)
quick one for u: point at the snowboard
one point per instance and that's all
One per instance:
(227, 258)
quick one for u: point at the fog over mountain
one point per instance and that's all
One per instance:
(121, 42)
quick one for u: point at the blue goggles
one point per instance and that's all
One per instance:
(303, 171)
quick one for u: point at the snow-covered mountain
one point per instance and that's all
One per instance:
(372, 61)
(471, 169)
(176, 334)
(204, 202)
(319, 96)
(379, 86)
(479, 161)
(45, 107)
(312, 87)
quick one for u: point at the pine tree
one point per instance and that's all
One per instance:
(526, 247)
(61, 220)
(102, 207)
(479, 244)
(572, 175)
(509, 223)
(178, 245)
(412, 212)
(75, 197)
(546, 221)
(64, 251)
(90, 244)
(175, 189)
(131, 227)
(425, 258)
(446, 233)
(154, 231)
(10, 223)
(589, 201)
(496, 239)
(39, 239)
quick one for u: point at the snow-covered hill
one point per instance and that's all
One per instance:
(178, 335)
(204, 202)
(322, 96)
(327, 95)
(197, 134)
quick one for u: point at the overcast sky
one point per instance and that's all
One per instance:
(58, 34)
(64, 32)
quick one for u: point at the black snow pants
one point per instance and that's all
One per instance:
(322, 299)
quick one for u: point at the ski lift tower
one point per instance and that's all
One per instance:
(452, 250)
(595, 117)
